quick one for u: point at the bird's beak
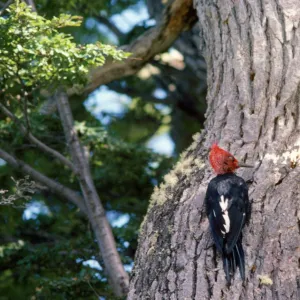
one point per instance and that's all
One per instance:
(245, 166)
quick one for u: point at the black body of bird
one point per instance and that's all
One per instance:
(228, 210)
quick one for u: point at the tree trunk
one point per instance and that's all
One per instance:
(252, 51)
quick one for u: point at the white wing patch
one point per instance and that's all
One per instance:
(223, 203)
(224, 208)
(227, 221)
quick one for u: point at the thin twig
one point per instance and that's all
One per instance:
(54, 186)
(97, 295)
(36, 141)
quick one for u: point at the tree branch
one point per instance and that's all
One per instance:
(96, 213)
(111, 26)
(57, 188)
(36, 141)
(178, 16)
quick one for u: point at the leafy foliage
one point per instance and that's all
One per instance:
(44, 254)
(34, 53)
(84, 7)
(46, 245)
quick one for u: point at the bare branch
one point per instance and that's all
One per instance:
(178, 16)
(36, 141)
(111, 26)
(55, 187)
(96, 213)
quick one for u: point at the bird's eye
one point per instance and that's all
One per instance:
(231, 157)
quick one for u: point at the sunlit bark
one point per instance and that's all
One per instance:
(252, 51)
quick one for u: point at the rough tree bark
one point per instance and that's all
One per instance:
(252, 51)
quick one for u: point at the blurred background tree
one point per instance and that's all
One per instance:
(134, 127)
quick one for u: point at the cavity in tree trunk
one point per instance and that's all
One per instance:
(252, 51)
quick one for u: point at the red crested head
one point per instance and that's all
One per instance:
(222, 161)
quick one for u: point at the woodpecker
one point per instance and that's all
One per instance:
(228, 210)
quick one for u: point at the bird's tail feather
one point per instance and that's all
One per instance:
(234, 259)
(227, 267)
(240, 257)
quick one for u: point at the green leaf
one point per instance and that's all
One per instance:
(31, 42)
